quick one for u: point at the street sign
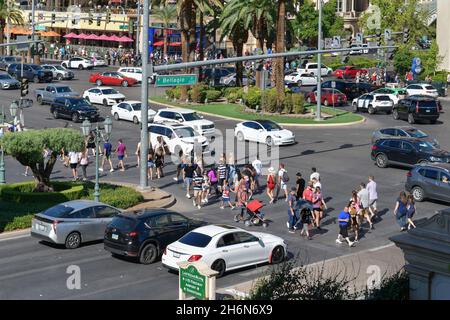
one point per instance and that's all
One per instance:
(39, 28)
(192, 282)
(123, 27)
(359, 38)
(336, 42)
(328, 43)
(387, 35)
(176, 80)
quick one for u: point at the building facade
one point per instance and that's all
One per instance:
(442, 33)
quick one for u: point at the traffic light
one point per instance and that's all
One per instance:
(23, 87)
(53, 18)
(405, 35)
(379, 40)
(346, 55)
(108, 16)
(91, 17)
(99, 21)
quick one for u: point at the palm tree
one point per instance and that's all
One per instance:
(166, 14)
(9, 13)
(280, 47)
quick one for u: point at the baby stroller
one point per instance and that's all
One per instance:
(254, 216)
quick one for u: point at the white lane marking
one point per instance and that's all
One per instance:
(16, 237)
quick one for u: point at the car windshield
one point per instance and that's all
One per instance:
(425, 146)
(383, 98)
(123, 223)
(4, 76)
(136, 106)
(9, 59)
(79, 103)
(417, 133)
(60, 68)
(109, 91)
(63, 89)
(191, 116)
(35, 67)
(185, 132)
(195, 239)
(402, 92)
(430, 88)
(58, 211)
(270, 126)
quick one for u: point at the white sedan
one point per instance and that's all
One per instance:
(422, 89)
(263, 131)
(131, 111)
(78, 63)
(224, 248)
(103, 95)
(98, 62)
(302, 79)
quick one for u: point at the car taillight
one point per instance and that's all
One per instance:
(438, 105)
(194, 257)
(417, 107)
(409, 174)
(54, 224)
(133, 234)
(165, 251)
(374, 148)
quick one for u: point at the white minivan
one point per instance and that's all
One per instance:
(311, 68)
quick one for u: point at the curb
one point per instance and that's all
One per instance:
(10, 235)
(284, 124)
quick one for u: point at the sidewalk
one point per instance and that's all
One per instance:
(361, 266)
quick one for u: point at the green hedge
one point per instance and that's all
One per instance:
(253, 97)
(23, 192)
(116, 196)
(213, 95)
(198, 93)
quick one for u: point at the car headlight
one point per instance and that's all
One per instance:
(435, 142)
(277, 136)
(436, 159)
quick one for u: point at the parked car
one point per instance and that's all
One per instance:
(145, 234)
(312, 68)
(59, 72)
(406, 152)
(112, 79)
(230, 80)
(224, 248)
(422, 89)
(180, 139)
(189, 118)
(302, 79)
(8, 82)
(5, 61)
(130, 110)
(73, 223)
(98, 61)
(328, 97)
(429, 181)
(348, 88)
(32, 72)
(78, 63)
(395, 94)
(48, 94)
(213, 74)
(76, 109)
(373, 103)
(106, 96)
(348, 72)
(417, 108)
(136, 73)
(264, 131)
(405, 131)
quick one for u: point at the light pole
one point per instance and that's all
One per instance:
(137, 27)
(319, 65)
(86, 129)
(13, 110)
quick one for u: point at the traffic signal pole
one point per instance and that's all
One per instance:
(319, 67)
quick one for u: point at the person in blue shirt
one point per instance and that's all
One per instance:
(107, 149)
(292, 213)
(401, 210)
(344, 222)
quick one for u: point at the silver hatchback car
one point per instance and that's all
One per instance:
(73, 222)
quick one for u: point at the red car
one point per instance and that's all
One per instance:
(112, 79)
(348, 72)
(327, 97)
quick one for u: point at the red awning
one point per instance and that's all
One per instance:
(71, 36)
(125, 39)
(92, 36)
(104, 37)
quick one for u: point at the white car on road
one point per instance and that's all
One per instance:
(130, 110)
(230, 80)
(78, 63)
(302, 79)
(189, 118)
(422, 89)
(312, 68)
(135, 73)
(263, 131)
(224, 248)
(180, 139)
(373, 103)
(98, 62)
(103, 95)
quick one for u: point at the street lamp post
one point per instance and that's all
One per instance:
(13, 110)
(319, 65)
(86, 129)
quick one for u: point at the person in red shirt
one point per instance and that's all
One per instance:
(308, 194)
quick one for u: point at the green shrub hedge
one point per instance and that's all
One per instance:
(253, 97)
(174, 93)
(116, 196)
(213, 95)
(233, 94)
(198, 93)
(269, 100)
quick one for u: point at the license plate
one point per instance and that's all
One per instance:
(115, 236)
(176, 255)
(427, 110)
(41, 227)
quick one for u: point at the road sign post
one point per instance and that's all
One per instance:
(198, 280)
(176, 80)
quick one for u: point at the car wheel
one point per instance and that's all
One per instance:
(299, 82)
(135, 120)
(371, 109)
(73, 240)
(64, 65)
(219, 266)
(381, 160)
(75, 117)
(277, 255)
(39, 100)
(269, 141)
(148, 254)
(59, 77)
(36, 79)
(240, 136)
(116, 116)
(411, 118)
(232, 84)
(98, 82)
(55, 114)
(395, 114)
(355, 107)
(325, 102)
(80, 66)
(418, 194)
(125, 83)
(309, 100)
(105, 102)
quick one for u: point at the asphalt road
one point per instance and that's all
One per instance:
(33, 270)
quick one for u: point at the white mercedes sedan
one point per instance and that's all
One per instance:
(224, 248)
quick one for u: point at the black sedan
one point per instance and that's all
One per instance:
(145, 234)
(74, 108)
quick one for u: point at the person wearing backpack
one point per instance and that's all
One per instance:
(271, 184)
(283, 179)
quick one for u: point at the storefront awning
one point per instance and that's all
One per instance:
(158, 44)
(71, 36)
(125, 39)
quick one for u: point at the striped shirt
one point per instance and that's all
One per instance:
(222, 171)
(198, 181)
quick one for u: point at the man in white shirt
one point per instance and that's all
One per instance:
(282, 181)
(257, 165)
(74, 159)
(363, 198)
(314, 174)
(373, 196)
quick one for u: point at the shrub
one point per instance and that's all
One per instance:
(395, 287)
(269, 100)
(253, 97)
(288, 104)
(233, 94)
(174, 93)
(298, 103)
(169, 93)
(117, 196)
(198, 93)
(213, 95)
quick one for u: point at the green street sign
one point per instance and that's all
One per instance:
(176, 80)
(39, 28)
(192, 282)
(123, 27)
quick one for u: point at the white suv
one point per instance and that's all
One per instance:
(78, 63)
(135, 73)
(373, 102)
(189, 118)
(311, 68)
(180, 139)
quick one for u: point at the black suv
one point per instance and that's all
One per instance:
(417, 108)
(32, 72)
(74, 108)
(406, 152)
(145, 234)
(429, 181)
(350, 89)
